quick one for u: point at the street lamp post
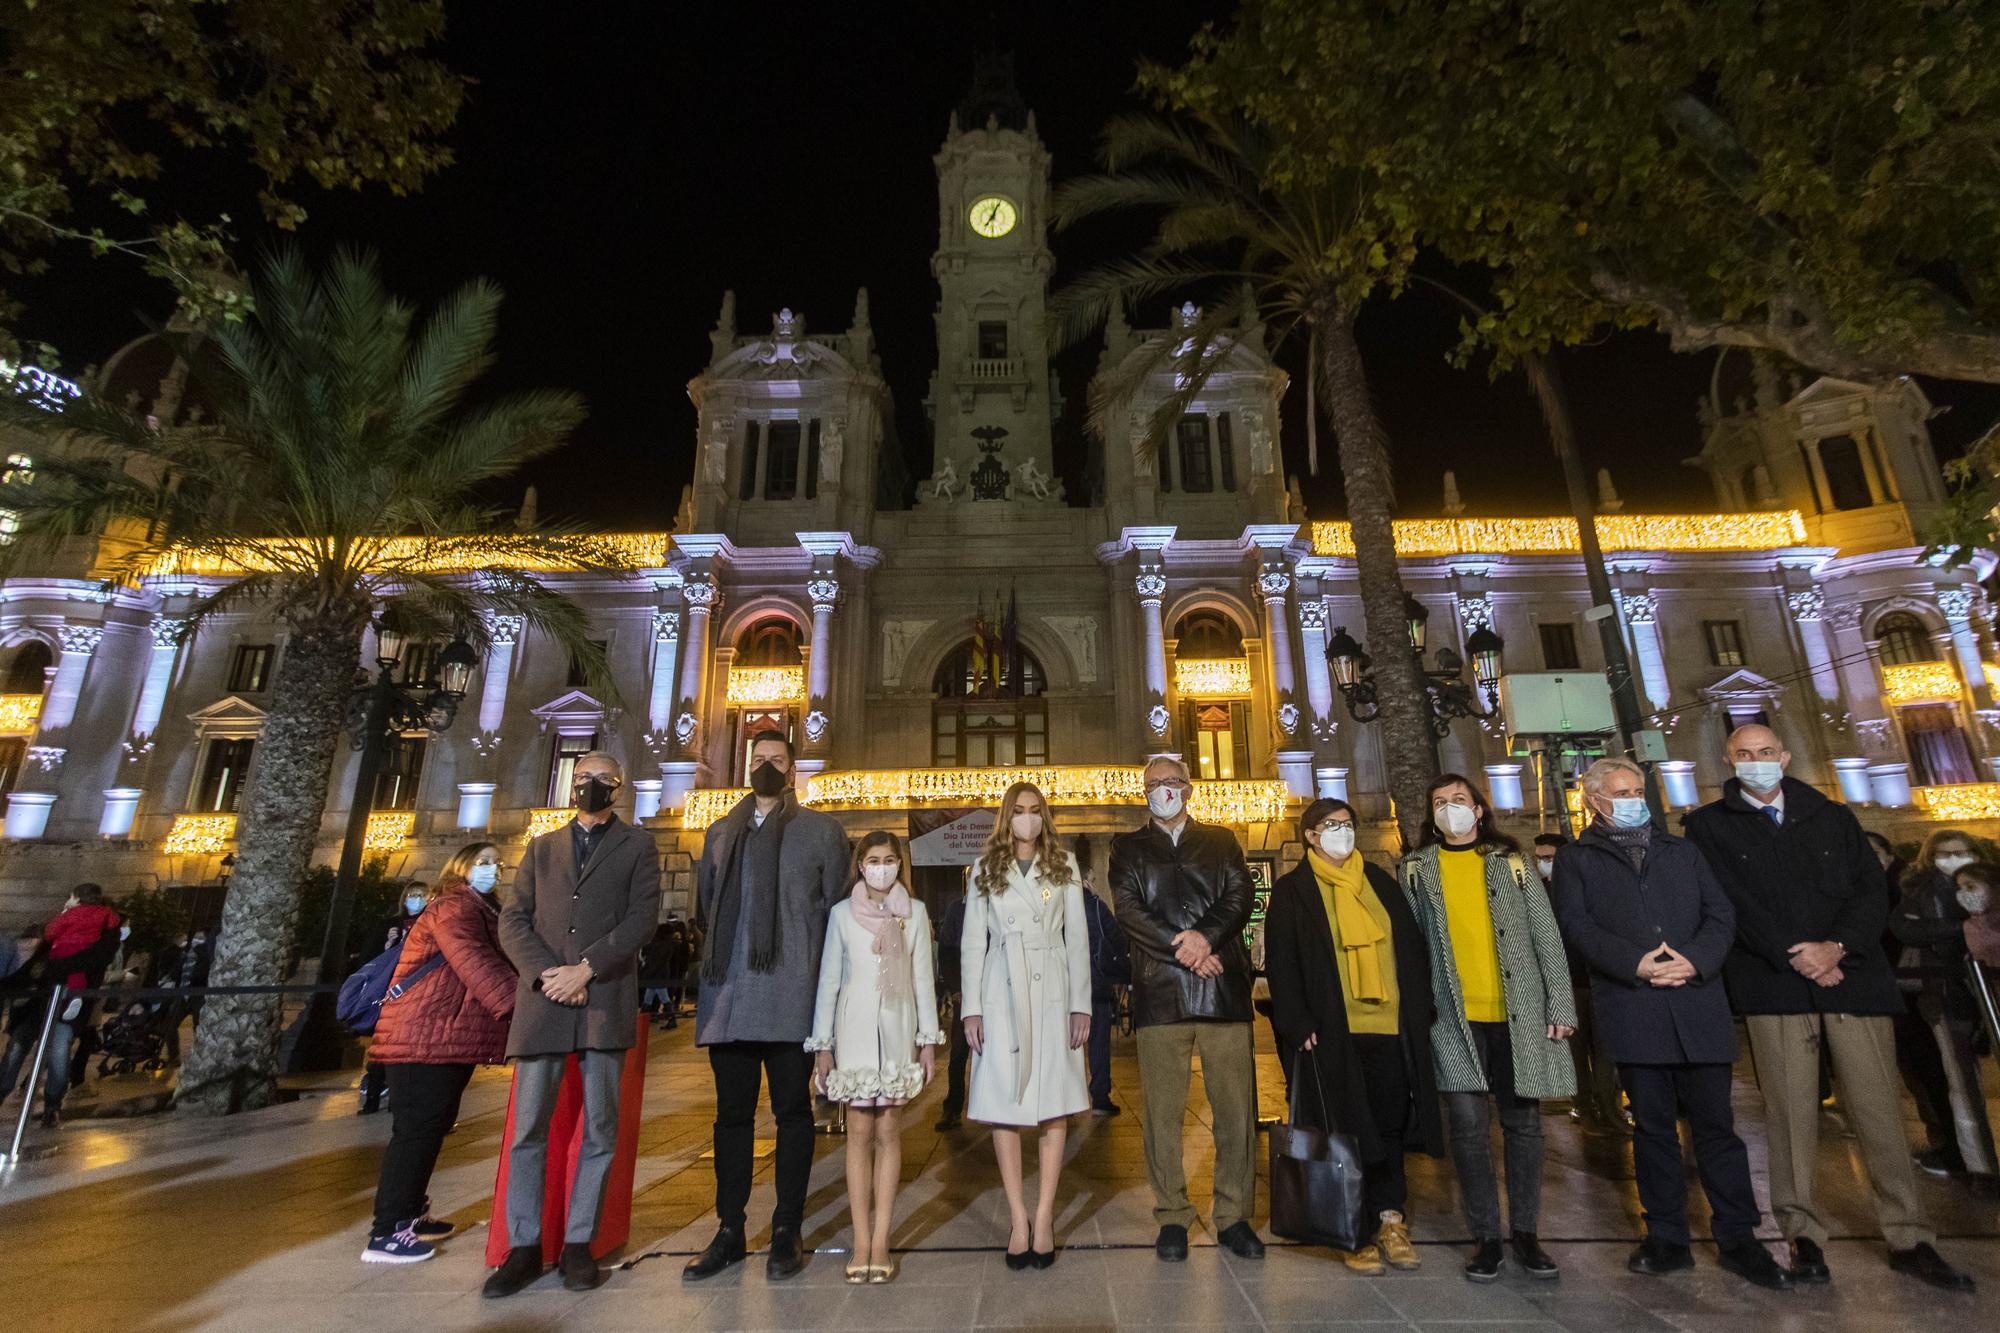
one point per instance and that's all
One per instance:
(1447, 695)
(377, 712)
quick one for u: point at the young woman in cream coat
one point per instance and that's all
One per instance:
(1025, 959)
(875, 1034)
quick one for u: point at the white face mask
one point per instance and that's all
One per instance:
(1974, 901)
(1953, 863)
(1760, 774)
(1026, 828)
(881, 876)
(1165, 802)
(1545, 866)
(1337, 842)
(482, 878)
(1455, 821)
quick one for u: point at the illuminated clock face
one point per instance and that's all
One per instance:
(992, 216)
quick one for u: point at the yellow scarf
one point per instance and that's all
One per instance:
(1361, 939)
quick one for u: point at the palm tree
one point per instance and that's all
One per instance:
(1285, 252)
(339, 475)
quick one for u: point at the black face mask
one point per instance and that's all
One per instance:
(767, 780)
(595, 795)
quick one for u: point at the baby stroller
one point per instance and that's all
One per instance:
(131, 1041)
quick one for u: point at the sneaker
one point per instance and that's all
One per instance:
(1534, 1260)
(1484, 1265)
(1367, 1261)
(401, 1246)
(1392, 1238)
(1938, 1162)
(432, 1228)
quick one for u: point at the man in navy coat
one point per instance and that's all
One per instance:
(1646, 914)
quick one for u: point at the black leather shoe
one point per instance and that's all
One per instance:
(724, 1250)
(522, 1266)
(579, 1269)
(1808, 1263)
(1171, 1245)
(1042, 1258)
(1241, 1241)
(1534, 1260)
(1754, 1264)
(946, 1124)
(1484, 1265)
(788, 1257)
(1927, 1265)
(1657, 1258)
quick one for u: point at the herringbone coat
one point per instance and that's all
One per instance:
(1534, 976)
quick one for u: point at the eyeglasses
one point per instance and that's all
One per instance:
(1168, 784)
(1318, 829)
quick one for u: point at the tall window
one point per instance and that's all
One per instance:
(812, 459)
(749, 726)
(1218, 731)
(1903, 640)
(781, 469)
(977, 723)
(396, 784)
(1558, 646)
(1846, 479)
(568, 748)
(1192, 433)
(28, 673)
(223, 769)
(578, 674)
(992, 340)
(250, 669)
(747, 484)
(1225, 449)
(419, 662)
(1725, 642)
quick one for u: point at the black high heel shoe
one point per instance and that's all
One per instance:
(1043, 1259)
(1017, 1262)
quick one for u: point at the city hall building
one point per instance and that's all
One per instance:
(923, 657)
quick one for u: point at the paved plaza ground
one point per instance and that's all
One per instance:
(151, 1225)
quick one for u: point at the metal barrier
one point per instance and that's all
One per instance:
(1982, 994)
(60, 995)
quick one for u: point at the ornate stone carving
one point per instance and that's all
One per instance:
(1874, 734)
(136, 747)
(666, 626)
(502, 630)
(1312, 615)
(824, 591)
(1957, 603)
(685, 727)
(47, 758)
(1844, 615)
(701, 592)
(816, 722)
(1288, 718)
(1273, 582)
(80, 638)
(1156, 719)
(1151, 585)
(486, 744)
(1640, 608)
(897, 636)
(168, 631)
(1475, 613)
(1079, 636)
(1806, 604)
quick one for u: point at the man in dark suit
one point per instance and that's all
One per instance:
(585, 900)
(1644, 911)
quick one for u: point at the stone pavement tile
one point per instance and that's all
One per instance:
(528, 1312)
(1341, 1298)
(759, 1307)
(895, 1306)
(1493, 1326)
(1139, 1264)
(650, 1307)
(1417, 1298)
(1590, 1308)
(1205, 1305)
(1007, 1301)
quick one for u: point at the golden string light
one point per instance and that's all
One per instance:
(548, 819)
(1920, 682)
(1558, 536)
(640, 550)
(1962, 801)
(200, 835)
(1211, 678)
(19, 713)
(708, 804)
(388, 830)
(751, 687)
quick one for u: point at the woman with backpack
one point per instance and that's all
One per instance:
(446, 1011)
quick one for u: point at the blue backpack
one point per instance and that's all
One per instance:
(362, 995)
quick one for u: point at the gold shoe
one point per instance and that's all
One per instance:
(881, 1273)
(1366, 1261)
(858, 1273)
(1393, 1240)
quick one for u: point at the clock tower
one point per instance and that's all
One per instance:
(991, 402)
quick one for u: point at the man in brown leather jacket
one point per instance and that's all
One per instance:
(1183, 896)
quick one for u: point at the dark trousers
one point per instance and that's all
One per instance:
(1102, 1012)
(740, 1068)
(55, 1065)
(1660, 1096)
(954, 1074)
(373, 1084)
(423, 1103)
(1378, 1059)
(1520, 1134)
(1922, 1066)
(1597, 1102)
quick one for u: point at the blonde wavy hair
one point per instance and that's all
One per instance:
(999, 850)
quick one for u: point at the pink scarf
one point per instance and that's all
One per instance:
(884, 920)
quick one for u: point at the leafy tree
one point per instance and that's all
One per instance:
(99, 97)
(1295, 253)
(377, 898)
(1815, 180)
(338, 475)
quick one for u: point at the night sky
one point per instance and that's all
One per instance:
(621, 164)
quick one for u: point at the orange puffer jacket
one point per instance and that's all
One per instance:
(455, 1014)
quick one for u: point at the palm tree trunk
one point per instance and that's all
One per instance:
(1371, 505)
(234, 1063)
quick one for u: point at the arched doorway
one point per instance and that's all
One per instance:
(767, 693)
(988, 709)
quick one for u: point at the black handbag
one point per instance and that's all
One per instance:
(1316, 1182)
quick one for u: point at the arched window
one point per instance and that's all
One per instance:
(1205, 635)
(28, 672)
(1215, 718)
(1904, 640)
(989, 710)
(773, 641)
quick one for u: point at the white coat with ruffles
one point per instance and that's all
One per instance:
(874, 1040)
(1025, 959)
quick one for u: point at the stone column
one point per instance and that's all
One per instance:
(503, 633)
(1319, 677)
(660, 704)
(167, 632)
(824, 589)
(1808, 608)
(1641, 611)
(1862, 685)
(1151, 587)
(1273, 582)
(1958, 604)
(682, 773)
(78, 643)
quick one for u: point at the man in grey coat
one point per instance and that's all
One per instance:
(771, 871)
(585, 899)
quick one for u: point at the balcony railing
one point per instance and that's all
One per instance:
(994, 370)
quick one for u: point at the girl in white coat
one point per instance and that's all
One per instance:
(1025, 959)
(875, 1028)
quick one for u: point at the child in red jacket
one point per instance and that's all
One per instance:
(83, 924)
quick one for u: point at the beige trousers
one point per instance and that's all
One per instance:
(1229, 1071)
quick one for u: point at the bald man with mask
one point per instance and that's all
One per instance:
(1807, 969)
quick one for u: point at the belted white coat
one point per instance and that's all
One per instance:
(1025, 961)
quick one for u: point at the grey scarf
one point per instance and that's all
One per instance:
(1631, 841)
(742, 863)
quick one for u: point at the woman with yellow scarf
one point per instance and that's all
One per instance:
(1351, 1002)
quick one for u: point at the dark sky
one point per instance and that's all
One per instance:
(620, 164)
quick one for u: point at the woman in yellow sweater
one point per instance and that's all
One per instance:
(1351, 1003)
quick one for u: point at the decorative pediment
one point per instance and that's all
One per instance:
(786, 355)
(231, 717)
(1743, 686)
(573, 713)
